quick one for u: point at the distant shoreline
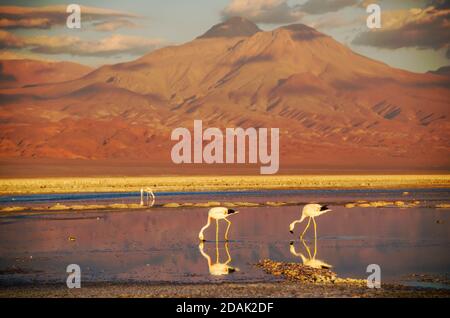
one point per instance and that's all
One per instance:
(206, 183)
(67, 168)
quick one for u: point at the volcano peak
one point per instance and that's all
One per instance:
(302, 32)
(232, 27)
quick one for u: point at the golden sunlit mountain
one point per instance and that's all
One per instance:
(21, 72)
(334, 108)
(444, 70)
(233, 27)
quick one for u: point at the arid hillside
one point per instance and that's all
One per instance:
(18, 73)
(334, 108)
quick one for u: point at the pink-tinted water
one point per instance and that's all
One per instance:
(161, 244)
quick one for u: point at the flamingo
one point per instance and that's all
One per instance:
(310, 210)
(218, 269)
(149, 192)
(217, 213)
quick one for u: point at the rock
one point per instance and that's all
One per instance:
(297, 272)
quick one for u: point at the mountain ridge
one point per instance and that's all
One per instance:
(21, 72)
(324, 97)
(232, 27)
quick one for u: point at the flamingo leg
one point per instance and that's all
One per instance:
(307, 248)
(217, 230)
(315, 237)
(228, 228)
(228, 254)
(315, 228)
(217, 251)
(150, 193)
(306, 228)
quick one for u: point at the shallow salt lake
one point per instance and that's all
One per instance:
(161, 244)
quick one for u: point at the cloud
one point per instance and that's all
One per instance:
(37, 23)
(325, 6)
(113, 45)
(420, 28)
(334, 20)
(439, 4)
(113, 25)
(280, 11)
(263, 11)
(12, 55)
(403, 3)
(15, 17)
(8, 40)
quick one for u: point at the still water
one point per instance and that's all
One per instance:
(161, 244)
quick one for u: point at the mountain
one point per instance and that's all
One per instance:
(444, 70)
(233, 27)
(334, 108)
(20, 72)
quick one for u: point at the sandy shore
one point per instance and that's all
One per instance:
(236, 290)
(207, 183)
(11, 210)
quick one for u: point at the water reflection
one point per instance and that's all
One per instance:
(162, 246)
(218, 268)
(311, 260)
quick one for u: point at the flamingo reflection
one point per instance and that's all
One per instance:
(311, 260)
(218, 268)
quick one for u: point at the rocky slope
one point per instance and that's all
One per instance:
(334, 108)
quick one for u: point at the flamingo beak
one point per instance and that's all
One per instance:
(292, 232)
(231, 211)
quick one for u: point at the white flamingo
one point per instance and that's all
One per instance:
(217, 213)
(310, 210)
(149, 193)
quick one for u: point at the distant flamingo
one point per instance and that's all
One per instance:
(149, 193)
(218, 269)
(310, 210)
(217, 213)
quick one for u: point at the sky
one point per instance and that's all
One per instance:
(414, 34)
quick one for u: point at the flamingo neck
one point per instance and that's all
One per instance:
(208, 258)
(206, 226)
